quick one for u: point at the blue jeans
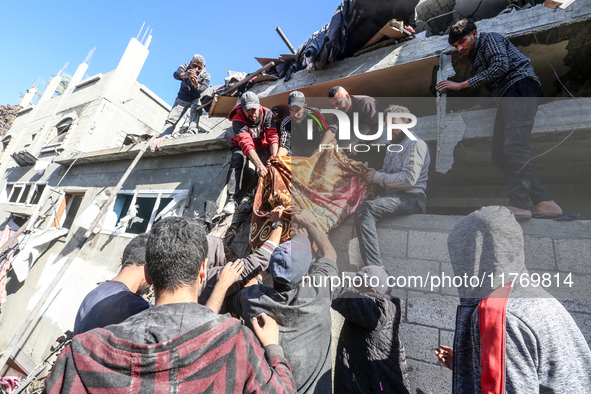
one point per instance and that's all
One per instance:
(511, 143)
(367, 215)
(176, 113)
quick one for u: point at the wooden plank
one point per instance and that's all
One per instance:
(265, 60)
(223, 106)
(393, 29)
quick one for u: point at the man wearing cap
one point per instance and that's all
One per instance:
(300, 304)
(370, 356)
(297, 122)
(194, 80)
(253, 137)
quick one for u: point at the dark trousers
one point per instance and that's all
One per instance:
(511, 143)
(238, 169)
(367, 215)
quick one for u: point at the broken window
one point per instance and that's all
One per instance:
(135, 138)
(67, 210)
(61, 130)
(137, 211)
(16, 192)
(37, 194)
(23, 193)
(5, 141)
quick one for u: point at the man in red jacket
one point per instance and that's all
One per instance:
(253, 137)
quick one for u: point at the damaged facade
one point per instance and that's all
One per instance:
(66, 153)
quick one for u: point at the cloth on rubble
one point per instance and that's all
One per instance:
(110, 303)
(329, 185)
(9, 230)
(180, 348)
(273, 190)
(10, 383)
(32, 247)
(524, 329)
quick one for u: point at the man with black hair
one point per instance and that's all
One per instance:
(178, 345)
(509, 75)
(300, 301)
(194, 80)
(115, 300)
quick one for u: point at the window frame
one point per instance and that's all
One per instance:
(33, 187)
(158, 194)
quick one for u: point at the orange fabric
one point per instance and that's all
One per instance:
(273, 190)
(491, 318)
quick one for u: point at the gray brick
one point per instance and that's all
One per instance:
(446, 338)
(419, 341)
(430, 378)
(433, 311)
(447, 270)
(355, 253)
(392, 243)
(572, 255)
(539, 253)
(428, 245)
(408, 267)
(581, 305)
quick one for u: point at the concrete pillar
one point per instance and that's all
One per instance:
(28, 97)
(127, 71)
(50, 89)
(77, 77)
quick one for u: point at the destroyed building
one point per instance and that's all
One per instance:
(62, 157)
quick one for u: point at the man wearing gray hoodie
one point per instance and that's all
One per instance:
(509, 338)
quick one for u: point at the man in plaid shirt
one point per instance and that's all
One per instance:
(508, 73)
(178, 346)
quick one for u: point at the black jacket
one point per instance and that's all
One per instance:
(370, 355)
(188, 92)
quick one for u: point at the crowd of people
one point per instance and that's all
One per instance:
(263, 324)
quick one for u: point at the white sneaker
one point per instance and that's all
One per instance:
(230, 207)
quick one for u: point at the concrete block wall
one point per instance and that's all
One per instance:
(417, 245)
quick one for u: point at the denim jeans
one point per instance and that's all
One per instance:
(176, 113)
(367, 215)
(511, 143)
(238, 169)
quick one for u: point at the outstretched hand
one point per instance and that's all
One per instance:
(445, 354)
(156, 144)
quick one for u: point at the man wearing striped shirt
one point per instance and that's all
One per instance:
(178, 346)
(508, 73)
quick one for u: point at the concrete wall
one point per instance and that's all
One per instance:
(100, 258)
(417, 244)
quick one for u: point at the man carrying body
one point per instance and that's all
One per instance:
(508, 338)
(510, 76)
(369, 123)
(300, 305)
(253, 137)
(117, 299)
(194, 80)
(404, 175)
(297, 121)
(179, 345)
